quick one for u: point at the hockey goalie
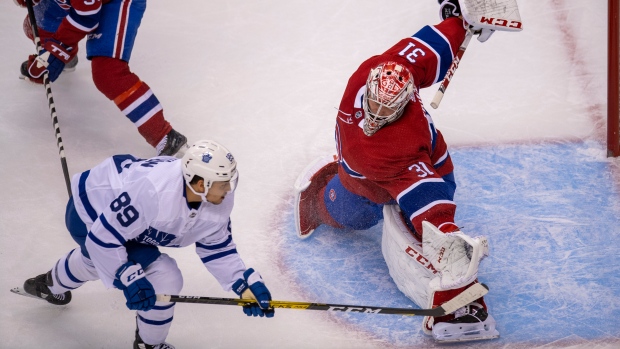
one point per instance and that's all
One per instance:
(392, 164)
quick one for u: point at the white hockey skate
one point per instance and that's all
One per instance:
(471, 323)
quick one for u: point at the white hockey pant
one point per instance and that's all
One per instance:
(74, 270)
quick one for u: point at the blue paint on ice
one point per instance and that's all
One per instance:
(552, 217)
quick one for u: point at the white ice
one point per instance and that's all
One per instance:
(263, 78)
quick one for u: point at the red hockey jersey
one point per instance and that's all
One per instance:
(82, 18)
(405, 160)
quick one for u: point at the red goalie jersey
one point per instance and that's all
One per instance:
(407, 160)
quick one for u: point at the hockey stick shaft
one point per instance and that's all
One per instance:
(50, 99)
(469, 295)
(455, 64)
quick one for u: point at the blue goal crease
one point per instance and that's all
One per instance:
(553, 222)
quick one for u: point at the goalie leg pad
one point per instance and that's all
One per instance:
(310, 210)
(410, 270)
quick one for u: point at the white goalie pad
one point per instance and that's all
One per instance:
(456, 256)
(502, 15)
(409, 269)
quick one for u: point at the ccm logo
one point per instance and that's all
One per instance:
(420, 259)
(501, 22)
(354, 310)
(441, 252)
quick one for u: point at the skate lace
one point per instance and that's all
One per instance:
(161, 145)
(60, 297)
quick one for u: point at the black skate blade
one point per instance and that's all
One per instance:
(20, 291)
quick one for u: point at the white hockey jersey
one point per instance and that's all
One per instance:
(125, 198)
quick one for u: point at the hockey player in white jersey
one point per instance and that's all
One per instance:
(125, 208)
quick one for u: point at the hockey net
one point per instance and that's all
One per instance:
(613, 82)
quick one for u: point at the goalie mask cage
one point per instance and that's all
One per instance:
(613, 91)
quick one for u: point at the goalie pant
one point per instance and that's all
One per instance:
(111, 27)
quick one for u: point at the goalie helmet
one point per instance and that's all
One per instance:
(390, 86)
(211, 161)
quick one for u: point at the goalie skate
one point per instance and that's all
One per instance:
(471, 323)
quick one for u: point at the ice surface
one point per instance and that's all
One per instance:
(524, 116)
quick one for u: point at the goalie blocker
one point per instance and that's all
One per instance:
(433, 272)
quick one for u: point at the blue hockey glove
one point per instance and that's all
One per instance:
(52, 60)
(140, 295)
(253, 287)
(449, 8)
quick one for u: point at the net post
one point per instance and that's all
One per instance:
(613, 94)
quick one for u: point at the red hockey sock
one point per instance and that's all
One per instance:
(132, 96)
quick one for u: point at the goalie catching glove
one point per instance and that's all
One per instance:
(455, 255)
(52, 60)
(252, 286)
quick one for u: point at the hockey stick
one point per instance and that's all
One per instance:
(50, 99)
(455, 64)
(469, 295)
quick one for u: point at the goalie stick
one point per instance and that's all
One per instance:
(50, 99)
(467, 296)
(455, 64)
(498, 15)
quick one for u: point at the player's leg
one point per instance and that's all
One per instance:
(348, 209)
(322, 199)
(109, 48)
(153, 325)
(71, 271)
